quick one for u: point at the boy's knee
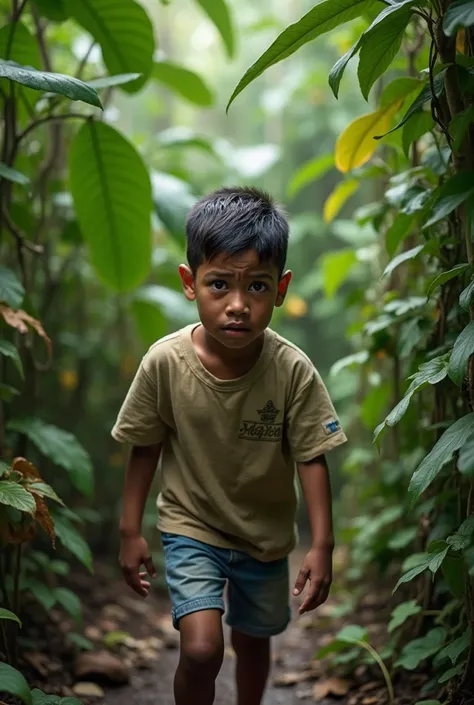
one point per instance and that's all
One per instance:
(202, 655)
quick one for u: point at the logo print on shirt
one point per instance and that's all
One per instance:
(266, 429)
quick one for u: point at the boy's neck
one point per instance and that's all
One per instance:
(223, 362)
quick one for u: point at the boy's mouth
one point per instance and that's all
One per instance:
(236, 329)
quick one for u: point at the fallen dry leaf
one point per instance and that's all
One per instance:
(88, 690)
(285, 680)
(101, 665)
(370, 700)
(93, 633)
(20, 320)
(367, 687)
(331, 686)
(38, 660)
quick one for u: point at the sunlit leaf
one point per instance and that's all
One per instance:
(335, 201)
(459, 14)
(6, 614)
(125, 34)
(419, 124)
(336, 267)
(219, 13)
(356, 145)
(186, 83)
(14, 495)
(401, 613)
(111, 189)
(462, 351)
(7, 349)
(13, 682)
(309, 172)
(444, 277)
(11, 289)
(61, 447)
(451, 441)
(320, 19)
(9, 174)
(401, 258)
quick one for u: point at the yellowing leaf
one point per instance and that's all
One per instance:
(296, 307)
(68, 379)
(342, 192)
(357, 143)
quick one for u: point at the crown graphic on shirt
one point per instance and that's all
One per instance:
(269, 412)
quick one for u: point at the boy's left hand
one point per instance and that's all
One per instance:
(317, 569)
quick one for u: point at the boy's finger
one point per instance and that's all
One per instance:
(301, 581)
(151, 570)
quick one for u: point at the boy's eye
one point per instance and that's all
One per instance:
(258, 287)
(218, 285)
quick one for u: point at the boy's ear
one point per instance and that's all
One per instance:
(187, 280)
(283, 285)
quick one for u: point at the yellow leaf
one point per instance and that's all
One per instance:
(296, 307)
(342, 192)
(461, 41)
(356, 145)
(68, 379)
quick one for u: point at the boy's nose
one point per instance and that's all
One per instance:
(238, 305)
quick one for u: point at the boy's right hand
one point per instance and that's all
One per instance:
(134, 552)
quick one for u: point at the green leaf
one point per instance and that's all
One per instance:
(467, 296)
(80, 641)
(61, 447)
(42, 593)
(173, 199)
(320, 19)
(72, 88)
(401, 258)
(337, 71)
(6, 614)
(418, 125)
(462, 351)
(14, 495)
(44, 490)
(466, 457)
(52, 9)
(111, 189)
(125, 34)
(424, 96)
(309, 172)
(401, 613)
(59, 568)
(459, 646)
(22, 48)
(70, 602)
(336, 267)
(7, 349)
(421, 649)
(154, 306)
(12, 682)
(459, 14)
(444, 277)
(72, 539)
(183, 81)
(352, 634)
(452, 673)
(402, 226)
(7, 392)
(381, 42)
(453, 570)
(428, 702)
(451, 195)
(443, 451)
(112, 81)
(399, 89)
(219, 13)
(9, 174)
(459, 126)
(463, 537)
(3, 468)
(414, 572)
(402, 538)
(11, 289)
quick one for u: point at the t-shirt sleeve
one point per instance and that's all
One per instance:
(138, 421)
(312, 426)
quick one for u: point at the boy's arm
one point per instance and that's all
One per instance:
(134, 549)
(317, 566)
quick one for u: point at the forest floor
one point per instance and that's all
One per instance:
(135, 652)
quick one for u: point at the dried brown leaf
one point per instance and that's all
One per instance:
(43, 517)
(102, 665)
(331, 686)
(285, 680)
(370, 700)
(88, 690)
(25, 468)
(22, 322)
(38, 660)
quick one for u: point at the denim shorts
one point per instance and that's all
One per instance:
(257, 592)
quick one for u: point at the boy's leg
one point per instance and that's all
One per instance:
(253, 666)
(202, 650)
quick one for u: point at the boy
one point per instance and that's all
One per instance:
(229, 409)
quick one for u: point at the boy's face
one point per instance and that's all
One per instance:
(235, 296)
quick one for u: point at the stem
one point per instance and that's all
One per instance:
(49, 118)
(4, 641)
(84, 61)
(383, 668)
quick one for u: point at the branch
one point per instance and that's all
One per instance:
(49, 118)
(20, 238)
(84, 60)
(40, 37)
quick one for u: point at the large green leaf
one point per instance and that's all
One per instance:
(419, 650)
(451, 441)
(462, 351)
(125, 34)
(41, 592)
(44, 490)
(19, 46)
(11, 289)
(219, 13)
(52, 9)
(381, 42)
(72, 88)
(401, 258)
(336, 267)
(459, 14)
(401, 613)
(418, 125)
(6, 614)
(14, 495)
(12, 682)
(61, 447)
(111, 189)
(150, 321)
(172, 198)
(157, 307)
(7, 349)
(320, 19)
(309, 172)
(186, 83)
(70, 602)
(9, 174)
(71, 539)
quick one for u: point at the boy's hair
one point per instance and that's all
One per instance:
(233, 220)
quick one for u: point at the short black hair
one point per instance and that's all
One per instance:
(233, 220)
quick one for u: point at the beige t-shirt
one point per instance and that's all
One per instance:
(229, 446)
